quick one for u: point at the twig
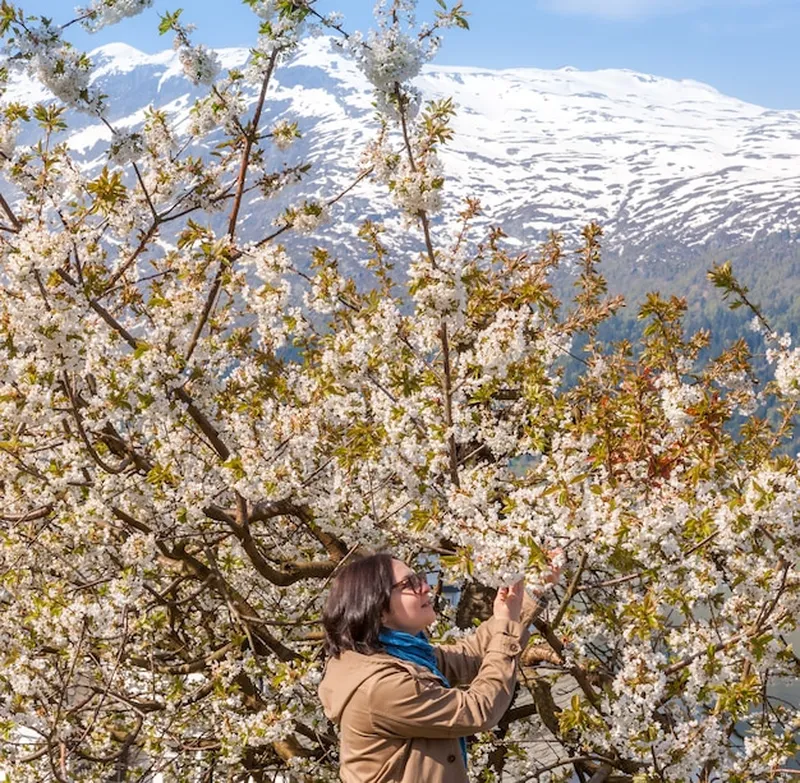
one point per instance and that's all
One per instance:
(571, 590)
(9, 212)
(234, 216)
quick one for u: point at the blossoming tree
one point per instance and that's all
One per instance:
(196, 431)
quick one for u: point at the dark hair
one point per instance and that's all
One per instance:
(358, 597)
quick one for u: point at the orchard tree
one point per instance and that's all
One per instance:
(196, 431)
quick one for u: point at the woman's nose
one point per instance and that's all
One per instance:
(426, 588)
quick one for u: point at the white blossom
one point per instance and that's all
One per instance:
(387, 58)
(284, 134)
(125, 147)
(107, 12)
(8, 142)
(200, 65)
(309, 216)
(677, 399)
(787, 371)
(65, 72)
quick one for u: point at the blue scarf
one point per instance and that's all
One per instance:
(416, 649)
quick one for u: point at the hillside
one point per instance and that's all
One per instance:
(678, 174)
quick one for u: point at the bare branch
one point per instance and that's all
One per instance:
(571, 590)
(249, 141)
(10, 213)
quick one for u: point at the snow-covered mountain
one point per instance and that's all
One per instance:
(669, 168)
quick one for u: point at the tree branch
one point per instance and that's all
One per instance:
(571, 590)
(249, 141)
(10, 213)
(448, 406)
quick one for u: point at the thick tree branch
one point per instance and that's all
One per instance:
(577, 672)
(30, 516)
(74, 407)
(206, 427)
(245, 610)
(192, 667)
(290, 573)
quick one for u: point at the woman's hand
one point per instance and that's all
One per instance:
(508, 603)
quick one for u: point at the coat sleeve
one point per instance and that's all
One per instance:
(402, 705)
(460, 661)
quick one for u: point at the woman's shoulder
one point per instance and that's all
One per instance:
(356, 663)
(353, 677)
(352, 668)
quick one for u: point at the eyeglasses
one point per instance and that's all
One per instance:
(414, 582)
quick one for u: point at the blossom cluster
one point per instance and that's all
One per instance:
(279, 34)
(200, 64)
(125, 147)
(284, 134)
(391, 57)
(103, 13)
(787, 371)
(63, 70)
(388, 58)
(8, 142)
(307, 217)
(221, 109)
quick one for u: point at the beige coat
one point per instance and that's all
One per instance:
(399, 724)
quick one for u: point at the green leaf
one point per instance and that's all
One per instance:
(234, 464)
(109, 192)
(7, 17)
(49, 116)
(141, 349)
(16, 111)
(169, 21)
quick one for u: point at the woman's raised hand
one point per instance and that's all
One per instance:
(508, 603)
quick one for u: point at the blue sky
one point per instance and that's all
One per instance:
(744, 48)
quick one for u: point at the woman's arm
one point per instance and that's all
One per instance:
(461, 660)
(405, 706)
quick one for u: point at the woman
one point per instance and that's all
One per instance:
(392, 693)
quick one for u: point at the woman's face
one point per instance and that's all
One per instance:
(409, 610)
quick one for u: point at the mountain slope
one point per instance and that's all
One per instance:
(675, 171)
